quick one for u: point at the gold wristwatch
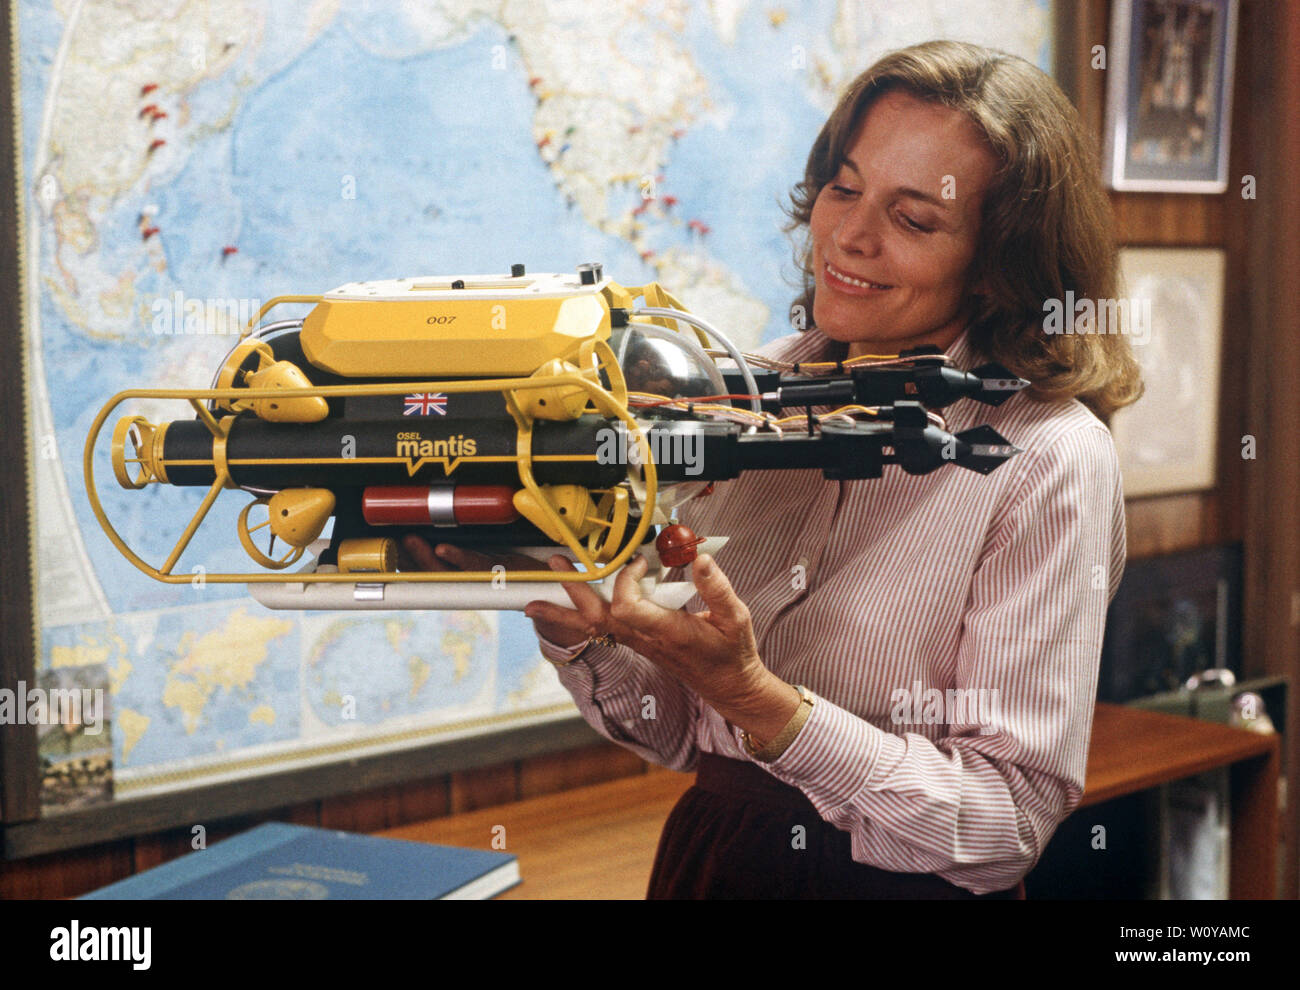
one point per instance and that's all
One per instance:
(768, 753)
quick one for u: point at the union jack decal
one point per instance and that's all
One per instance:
(424, 403)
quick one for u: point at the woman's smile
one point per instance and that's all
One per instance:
(842, 281)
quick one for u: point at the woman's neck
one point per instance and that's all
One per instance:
(943, 340)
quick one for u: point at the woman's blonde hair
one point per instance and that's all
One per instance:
(1046, 226)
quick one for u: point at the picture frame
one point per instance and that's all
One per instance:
(1176, 297)
(1174, 616)
(1169, 95)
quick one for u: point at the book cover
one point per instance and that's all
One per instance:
(278, 861)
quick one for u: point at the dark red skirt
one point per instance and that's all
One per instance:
(736, 834)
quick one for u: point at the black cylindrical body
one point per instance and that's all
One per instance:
(341, 452)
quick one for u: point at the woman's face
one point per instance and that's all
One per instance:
(901, 219)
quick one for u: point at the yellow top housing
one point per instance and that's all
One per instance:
(489, 325)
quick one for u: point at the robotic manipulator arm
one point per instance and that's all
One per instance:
(515, 413)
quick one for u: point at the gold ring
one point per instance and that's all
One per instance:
(604, 639)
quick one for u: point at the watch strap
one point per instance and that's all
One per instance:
(781, 742)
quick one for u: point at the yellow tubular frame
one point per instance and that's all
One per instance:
(603, 401)
(270, 304)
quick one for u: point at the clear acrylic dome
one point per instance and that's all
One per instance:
(664, 362)
(660, 361)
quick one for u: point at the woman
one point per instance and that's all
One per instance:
(887, 686)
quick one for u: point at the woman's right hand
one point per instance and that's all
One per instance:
(420, 555)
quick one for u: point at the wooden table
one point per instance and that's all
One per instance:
(590, 842)
(599, 841)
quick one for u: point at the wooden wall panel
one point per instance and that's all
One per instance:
(1265, 240)
(154, 850)
(1167, 219)
(387, 807)
(1254, 501)
(65, 874)
(20, 797)
(482, 788)
(1162, 524)
(563, 771)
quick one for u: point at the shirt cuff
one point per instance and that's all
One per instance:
(836, 756)
(602, 670)
(560, 654)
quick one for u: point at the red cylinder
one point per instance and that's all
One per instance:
(396, 505)
(483, 505)
(438, 505)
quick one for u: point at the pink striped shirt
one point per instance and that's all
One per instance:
(873, 593)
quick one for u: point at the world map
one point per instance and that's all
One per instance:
(183, 162)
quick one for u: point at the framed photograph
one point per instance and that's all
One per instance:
(1166, 440)
(1169, 99)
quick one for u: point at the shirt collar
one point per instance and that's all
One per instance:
(961, 352)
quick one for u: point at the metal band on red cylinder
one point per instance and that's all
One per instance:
(438, 505)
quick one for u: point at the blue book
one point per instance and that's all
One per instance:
(277, 861)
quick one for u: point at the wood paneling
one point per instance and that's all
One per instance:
(1263, 238)
(562, 771)
(1165, 524)
(474, 789)
(1253, 501)
(387, 806)
(1167, 219)
(154, 850)
(19, 787)
(65, 874)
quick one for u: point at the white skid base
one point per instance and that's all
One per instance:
(455, 596)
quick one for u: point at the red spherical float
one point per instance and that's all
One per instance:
(676, 545)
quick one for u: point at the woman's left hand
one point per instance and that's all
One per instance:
(713, 652)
